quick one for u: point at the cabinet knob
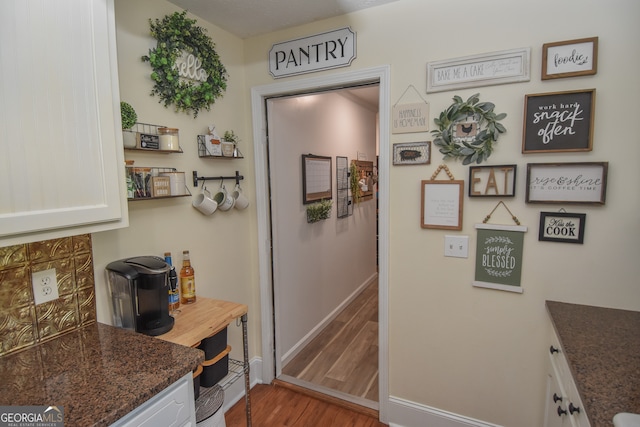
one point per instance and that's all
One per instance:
(556, 398)
(552, 350)
(561, 411)
(573, 409)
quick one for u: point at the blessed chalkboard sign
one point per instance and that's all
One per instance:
(559, 121)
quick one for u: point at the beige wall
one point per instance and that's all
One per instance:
(475, 352)
(478, 352)
(223, 246)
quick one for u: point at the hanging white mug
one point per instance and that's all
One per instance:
(224, 199)
(204, 203)
(241, 200)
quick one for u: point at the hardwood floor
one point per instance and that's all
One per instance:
(344, 356)
(275, 406)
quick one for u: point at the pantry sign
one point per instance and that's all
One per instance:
(323, 51)
(499, 257)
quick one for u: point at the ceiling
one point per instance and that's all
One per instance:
(249, 18)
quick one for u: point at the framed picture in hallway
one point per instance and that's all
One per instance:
(316, 178)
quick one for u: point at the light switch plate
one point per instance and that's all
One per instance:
(45, 286)
(456, 246)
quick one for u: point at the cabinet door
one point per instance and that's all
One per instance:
(556, 413)
(62, 163)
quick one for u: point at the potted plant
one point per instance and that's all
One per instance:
(229, 142)
(319, 210)
(129, 118)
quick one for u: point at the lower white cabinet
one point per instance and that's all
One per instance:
(563, 406)
(174, 406)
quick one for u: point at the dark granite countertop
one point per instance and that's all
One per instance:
(602, 347)
(97, 373)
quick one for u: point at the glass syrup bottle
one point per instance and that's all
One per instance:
(187, 280)
(174, 291)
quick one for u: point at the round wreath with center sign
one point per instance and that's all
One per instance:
(187, 71)
(468, 129)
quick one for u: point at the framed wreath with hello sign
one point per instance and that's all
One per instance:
(187, 71)
(468, 130)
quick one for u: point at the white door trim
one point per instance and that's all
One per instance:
(379, 74)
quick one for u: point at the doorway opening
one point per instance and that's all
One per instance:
(274, 346)
(325, 274)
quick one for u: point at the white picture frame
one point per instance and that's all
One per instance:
(508, 66)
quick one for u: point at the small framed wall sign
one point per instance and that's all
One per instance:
(492, 181)
(558, 121)
(570, 58)
(581, 183)
(412, 153)
(499, 257)
(562, 227)
(442, 204)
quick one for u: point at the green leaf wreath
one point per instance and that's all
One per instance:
(176, 34)
(479, 147)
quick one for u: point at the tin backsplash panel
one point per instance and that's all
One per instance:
(22, 323)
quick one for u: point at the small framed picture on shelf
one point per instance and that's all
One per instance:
(570, 58)
(562, 227)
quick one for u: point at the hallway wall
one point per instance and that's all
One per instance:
(316, 266)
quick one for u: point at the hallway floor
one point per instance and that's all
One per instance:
(344, 356)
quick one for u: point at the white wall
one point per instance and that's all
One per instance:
(317, 266)
(478, 352)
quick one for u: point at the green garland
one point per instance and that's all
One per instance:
(478, 148)
(176, 34)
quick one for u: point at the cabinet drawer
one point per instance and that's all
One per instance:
(174, 406)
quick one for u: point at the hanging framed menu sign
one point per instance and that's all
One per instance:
(499, 257)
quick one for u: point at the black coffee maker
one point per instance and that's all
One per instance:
(140, 294)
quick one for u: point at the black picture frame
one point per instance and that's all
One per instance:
(501, 178)
(316, 178)
(559, 121)
(562, 227)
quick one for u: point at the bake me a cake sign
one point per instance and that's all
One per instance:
(324, 51)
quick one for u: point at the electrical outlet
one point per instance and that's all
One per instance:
(456, 246)
(45, 286)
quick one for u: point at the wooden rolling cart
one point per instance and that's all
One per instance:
(204, 318)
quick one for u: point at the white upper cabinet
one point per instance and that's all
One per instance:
(61, 155)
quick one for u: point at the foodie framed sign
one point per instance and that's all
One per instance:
(570, 58)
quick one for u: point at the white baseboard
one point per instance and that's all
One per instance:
(404, 413)
(293, 352)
